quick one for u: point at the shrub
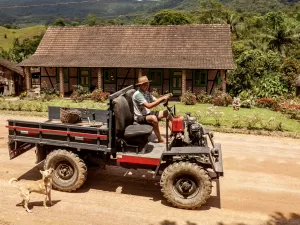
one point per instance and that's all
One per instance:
(155, 93)
(48, 94)
(27, 106)
(44, 107)
(222, 99)
(247, 99)
(99, 96)
(237, 121)
(23, 95)
(15, 105)
(270, 103)
(79, 94)
(273, 124)
(216, 114)
(254, 121)
(4, 105)
(204, 98)
(77, 97)
(188, 98)
(270, 86)
(291, 108)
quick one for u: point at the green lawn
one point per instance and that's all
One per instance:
(11, 34)
(251, 119)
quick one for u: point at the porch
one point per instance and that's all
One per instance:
(175, 81)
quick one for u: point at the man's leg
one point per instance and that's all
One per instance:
(165, 114)
(154, 121)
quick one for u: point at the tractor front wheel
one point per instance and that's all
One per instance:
(186, 185)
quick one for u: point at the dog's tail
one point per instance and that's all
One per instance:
(11, 181)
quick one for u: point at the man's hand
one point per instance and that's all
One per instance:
(166, 96)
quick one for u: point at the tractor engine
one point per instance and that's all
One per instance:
(187, 131)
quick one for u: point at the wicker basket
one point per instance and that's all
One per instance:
(68, 115)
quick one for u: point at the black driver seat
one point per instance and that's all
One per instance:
(132, 133)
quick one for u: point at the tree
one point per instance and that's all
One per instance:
(7, 25)
(91, 20)
(75, 23)
(170, 17)
(59, 22)
(21, 50)
(290, 70)
(252, 65)
(280, 34)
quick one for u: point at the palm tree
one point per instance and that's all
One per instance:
(283, 37)
(281, 33)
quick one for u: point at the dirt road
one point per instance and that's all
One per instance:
(261, 185)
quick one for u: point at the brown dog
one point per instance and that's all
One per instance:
(42, 186)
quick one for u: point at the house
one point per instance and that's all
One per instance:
(175, 58)
(11, 78)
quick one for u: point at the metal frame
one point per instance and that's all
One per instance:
(24, 135)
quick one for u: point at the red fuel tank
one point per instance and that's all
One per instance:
(177, 125)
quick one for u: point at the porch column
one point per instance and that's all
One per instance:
(223, 77)
(28, 78)
(183, 82)
(100, 75)
(61, 82)
(140, 72)
(298, 86)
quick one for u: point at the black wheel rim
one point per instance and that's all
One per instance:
(64, 170)
(186, 187)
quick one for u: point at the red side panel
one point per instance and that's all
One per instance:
(137, 160)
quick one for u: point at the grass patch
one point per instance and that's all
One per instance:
(256, 120)
(244, 115)
(24, 113)
(21, 34)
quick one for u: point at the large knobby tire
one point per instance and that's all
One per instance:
(70, 172)
(186, 185)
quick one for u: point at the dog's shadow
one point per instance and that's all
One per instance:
(38, 203)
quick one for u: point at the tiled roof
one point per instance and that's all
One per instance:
(189, 47)
(9, 65)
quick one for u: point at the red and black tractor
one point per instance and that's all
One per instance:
(187, 164)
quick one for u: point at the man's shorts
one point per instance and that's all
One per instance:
(142, 119)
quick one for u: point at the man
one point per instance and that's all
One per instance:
(143, 102)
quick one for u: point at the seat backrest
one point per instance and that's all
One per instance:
(123, 115)
(128, 95)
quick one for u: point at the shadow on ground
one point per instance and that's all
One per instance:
(124, 181)
(276, 219)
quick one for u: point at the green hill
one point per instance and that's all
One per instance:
(31, 12)
(8, 35)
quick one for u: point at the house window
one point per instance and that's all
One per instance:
(66, 75)
(35, 79)
(156, 75)
(109, 76)
(200, 78)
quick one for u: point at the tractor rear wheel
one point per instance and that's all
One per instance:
(186, 185)
(70, 172)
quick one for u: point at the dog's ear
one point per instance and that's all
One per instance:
(42, 172)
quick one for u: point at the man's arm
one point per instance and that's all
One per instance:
(156, 101)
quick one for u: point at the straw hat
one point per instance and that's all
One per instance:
(142, 80)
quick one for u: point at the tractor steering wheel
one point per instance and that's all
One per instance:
(170, 109)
